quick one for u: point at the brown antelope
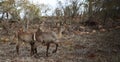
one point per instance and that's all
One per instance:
(26, 37)
(47, 38)
(36, 37)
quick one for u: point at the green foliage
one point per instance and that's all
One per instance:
(104, 8)
(71, 8)
(30, 10)
(13, 8)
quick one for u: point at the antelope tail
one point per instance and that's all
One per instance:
(34, 38)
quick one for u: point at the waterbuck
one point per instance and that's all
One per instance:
(47, 38)
(38, 37)
(26, 37)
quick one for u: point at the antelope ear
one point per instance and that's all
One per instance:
(21, 29)
(62, 28)
(39, 29)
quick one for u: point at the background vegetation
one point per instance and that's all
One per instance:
(93, 25)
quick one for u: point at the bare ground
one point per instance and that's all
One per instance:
(96, 47)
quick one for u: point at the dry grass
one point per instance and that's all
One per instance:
(95, 47)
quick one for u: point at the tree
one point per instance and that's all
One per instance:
(11, 10)
(103, 9)
(5, 7)
(30, 11)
